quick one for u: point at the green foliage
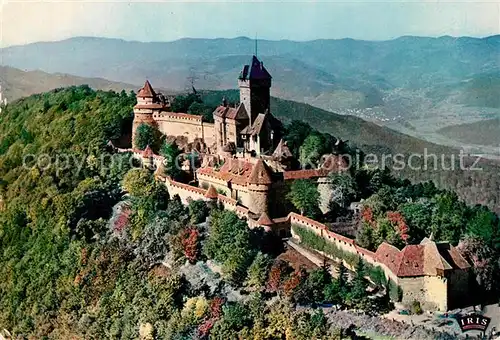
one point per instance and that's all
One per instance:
(312, 149)
(182, 103)
(257, 272)
(296, 133)
(198, 211)
(146, 135)
(229, 243)
(485, 225)
(304, 196)
(359, 285)
(395, 292)
(314, 241)
(172, 166)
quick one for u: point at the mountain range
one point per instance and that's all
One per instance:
(416, 85)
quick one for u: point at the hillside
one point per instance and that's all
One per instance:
(82, 260)
(486, 132)
(17, 83)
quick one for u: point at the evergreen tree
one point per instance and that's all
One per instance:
(145, 135)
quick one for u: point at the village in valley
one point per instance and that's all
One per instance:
(241, 161)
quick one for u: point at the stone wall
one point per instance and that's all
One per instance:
(430, 291)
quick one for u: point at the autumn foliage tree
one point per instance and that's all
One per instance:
(276, 276)
(191, 244)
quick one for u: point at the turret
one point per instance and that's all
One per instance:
(259, 183)
(147, 105)
(147, 158)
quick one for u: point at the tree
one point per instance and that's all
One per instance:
(316, 282)
(294, 283)
(485, 225)
(344, 188)
(484, 261)
(331, 293)
(304, 196)
(172, 159)
(418, 219)
(342, 280)
(359, 285)
(276, 276)
(257, 272)
(145, 135)
(229, 243)
(296, 132)
(191, 244)
(198, 211)
(366, 237)
(311, 151)
(140, 184)
(181, 103)
(448, 217)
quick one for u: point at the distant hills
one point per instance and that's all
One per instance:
(359, 69)
(486, 132)
(17, 83)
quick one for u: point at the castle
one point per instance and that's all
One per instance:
(256, 163)
(247, 168)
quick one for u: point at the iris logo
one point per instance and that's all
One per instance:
(473, 322)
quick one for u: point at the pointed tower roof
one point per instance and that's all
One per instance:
(146, 91)
(282, 151)
(211, 192)
(148, 152)
(260, 174)
(254, 71)
(264, 219)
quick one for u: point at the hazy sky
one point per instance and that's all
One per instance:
(23, 21)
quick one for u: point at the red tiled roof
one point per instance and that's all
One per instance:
(260, 174)
(420, 259)
(147, 91)
(389, 255)
(282, 151)
(238, 113)
(304, 174)
(412, 261)
(211, 192)
(233, 170)
(264, 220)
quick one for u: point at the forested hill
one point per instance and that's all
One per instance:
(80, 260)
(485, 132)
(17, 83)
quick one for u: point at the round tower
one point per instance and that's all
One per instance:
(147, 105)
(259, 184)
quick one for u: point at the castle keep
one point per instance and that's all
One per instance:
(247, 168)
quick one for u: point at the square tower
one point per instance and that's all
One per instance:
(255, 89)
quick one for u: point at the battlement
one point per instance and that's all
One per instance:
(176, 116)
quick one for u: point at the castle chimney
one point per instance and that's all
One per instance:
(261, 65)
(224, 101)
